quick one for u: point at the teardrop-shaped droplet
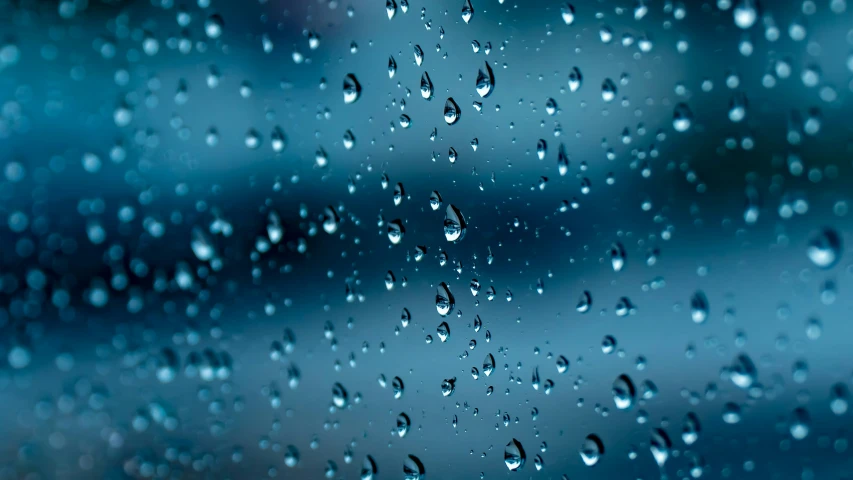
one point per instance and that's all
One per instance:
(690, 430)
(448, 386)
(451, 111)
(567, 11)
(551, 107)
(392, 66)
(443, 331)
(824, 248)
(514, 456)
(541, 149)
(444, 301)
(403, 424)
(608, 90)
(339, 395)
(699, 307)
(485, 80)
(454, 224)
(413, 469)
(591, 450)
(682, 118)
(397, 387)
(396, 231)
(488, 364)
(452, 155)
(352, 89)
(467, 11)
(562, 160)
(742, 372)
(660, 445)
(623, 392)
(426, 86)
(419, 55)
(435, 200)
(584, 302)
(349, 140)
(575, 79)
(391, 8)
(330, 220)
(368, 466)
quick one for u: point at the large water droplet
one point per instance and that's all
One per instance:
(567, 11)
(824, 248)
(454, 224)
(623, 392)
(467, 11)
(591, 450)
(444, 302)
(485, 80)
(451, 111)
(514, 456)
(352, 89)
(426, 86)
(660, 445)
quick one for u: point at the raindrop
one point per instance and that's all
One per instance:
(444, 302)
(467, 11)
(485, 80)
(451, 111)
(352, 89)
(514, 456)
(623, 392)
(454, 224)
(660, 445)
(824, 248)
(591, 450)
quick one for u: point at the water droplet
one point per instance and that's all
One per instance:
(682, 118)
(448, 386)
(567, 11)
(444, 302)
(623, 392)
(403, 424)
(575, 79)
(514, 456)
(451, 111)
(397, 387)
(395, 231)
(608, 90)
(746, 13)
(699, 307)
(419, 55)
(591, 450)
(743, 373)
(443, 331)
(426, 86)
(690, 430)
(339, 396)
(467, 11)
(485, 80)
(584, 302)
(352, 89)
(824, 248)
(660, 445)
(392, 66)
(488, 364)
(368, 466)
(391, 10)
(454, 224)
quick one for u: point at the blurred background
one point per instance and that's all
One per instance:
(225, 225)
